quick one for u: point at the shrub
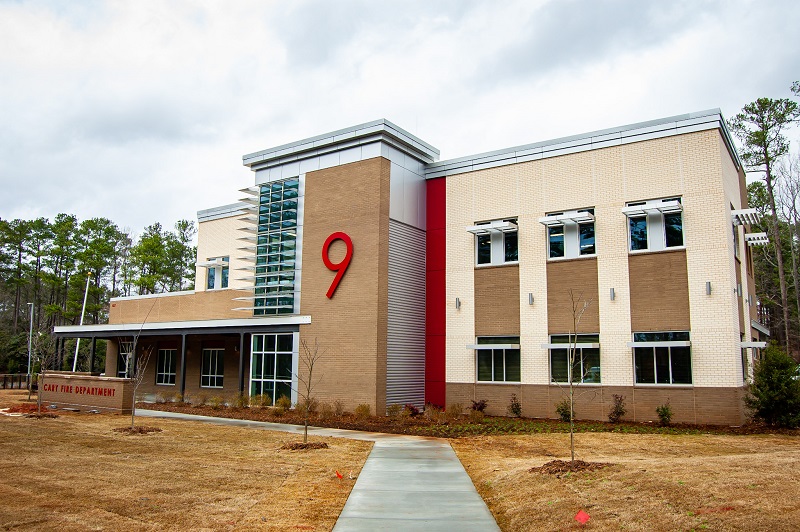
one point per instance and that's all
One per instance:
(160, 398)
(215, 401)
(412, 410)
(617, 409)
(177, 397)
(312, 405)
(562, 409)
(283, 404)
(200, 399)
(664, 413)
(338, 408)
(325, 411)
(475, 416)
(393, 411)
(261, 400)
(454, 411)
(479, 406)
(363, 411)
(774, 395)
(514, 406)
(242, 401)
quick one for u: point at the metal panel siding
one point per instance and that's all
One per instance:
(405, 356)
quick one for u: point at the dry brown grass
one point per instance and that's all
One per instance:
(76, 473)
(657, 482)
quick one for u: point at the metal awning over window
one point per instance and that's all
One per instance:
(745, 217)
(498, 226)
(755, 345)
(663, 207)
(673, 343)
(756, 239)
(574, 217)
(579, 345)
(759, 327)
(212, 263)
(493, 346)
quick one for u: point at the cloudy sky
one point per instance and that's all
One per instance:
(140, 111)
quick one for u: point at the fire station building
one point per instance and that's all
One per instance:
(428, 281)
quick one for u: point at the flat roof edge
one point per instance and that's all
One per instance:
(223, 211)
(413, 144)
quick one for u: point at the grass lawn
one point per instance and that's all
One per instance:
(657, 482)
(75, 473)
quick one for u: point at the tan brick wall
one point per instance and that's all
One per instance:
(352, 326)
(715, 406)
(209, 305)
(659, 291)
(86, 392)
(580, 276)
(219, 238)
(497, 301)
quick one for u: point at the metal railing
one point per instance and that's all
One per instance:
(14, 380)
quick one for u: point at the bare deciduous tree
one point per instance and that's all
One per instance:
(309, 356)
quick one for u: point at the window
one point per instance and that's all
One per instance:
(499, 360)
(654, 225)
(495, 242)
(165, 366)
(586, 365)
(664, 359)
(276, 247)
(570, 234)
(271, 365)
(217, 277)
(124, 359)
(213, 368)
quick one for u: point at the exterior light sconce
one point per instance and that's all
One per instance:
(530, 299)
(739, 289)
(612, 294)
(458, 304)
(708, 288)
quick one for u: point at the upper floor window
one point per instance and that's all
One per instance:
(217, 272)
(495, 242)
(570, 234)
(655, 224)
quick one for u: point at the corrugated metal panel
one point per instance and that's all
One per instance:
(405, 356)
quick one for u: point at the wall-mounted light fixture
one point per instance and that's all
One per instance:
(708, 288)
(530, 299)
(739, 289)
(458, 304)
(612, 294)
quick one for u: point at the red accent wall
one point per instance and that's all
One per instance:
(435, 261)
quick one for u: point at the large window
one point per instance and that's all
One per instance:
(213, 368)
(586, 364)
(271, 365)
(495, 242)
(654, 225)
(570, 234)
(276, 247)
(662, 358)
(499, 360)
(165, 366)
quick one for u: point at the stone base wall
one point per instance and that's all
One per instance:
(714, 406)
(85, 391)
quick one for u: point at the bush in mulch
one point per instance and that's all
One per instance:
(298, 446)
(25, 408)
(557, 467)
(137, 430)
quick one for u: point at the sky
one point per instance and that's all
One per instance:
(141, 111)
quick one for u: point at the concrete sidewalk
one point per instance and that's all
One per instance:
(407, 483)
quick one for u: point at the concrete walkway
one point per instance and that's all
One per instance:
(408, 482)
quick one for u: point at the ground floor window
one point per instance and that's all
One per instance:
(213, 368)
(586, 364)
(124, 359)
(165, 366)
(271, 365)
(499, 361)
(663, 364)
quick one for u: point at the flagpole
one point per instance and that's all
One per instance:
(83, 313)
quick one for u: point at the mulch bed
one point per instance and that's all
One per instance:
(491, 426)
(141, 429)
(299, 446)
(25, 408)
(559, 467)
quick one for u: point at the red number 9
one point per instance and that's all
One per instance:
(340, 267)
